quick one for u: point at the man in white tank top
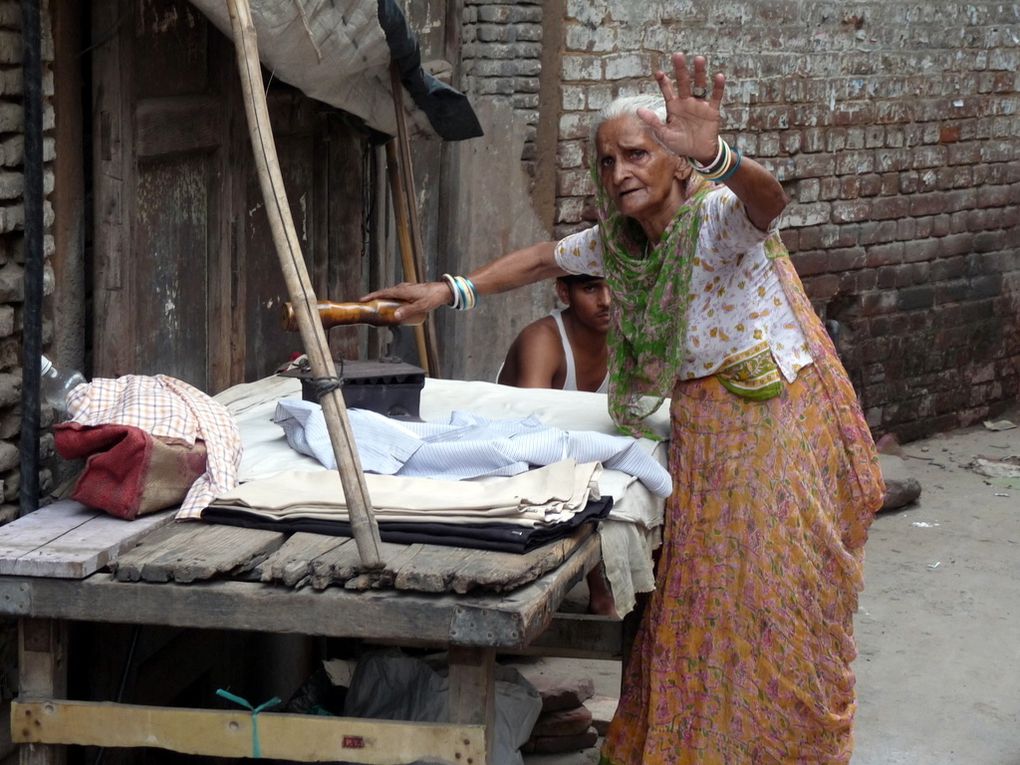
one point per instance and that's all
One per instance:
(566, 349)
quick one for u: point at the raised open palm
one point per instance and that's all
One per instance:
(691, 128)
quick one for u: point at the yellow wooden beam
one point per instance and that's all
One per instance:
(303, 738)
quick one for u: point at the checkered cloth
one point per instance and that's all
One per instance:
(164, 406)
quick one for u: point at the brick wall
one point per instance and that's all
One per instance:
(12, 244)
(501, 56)
(893, 128)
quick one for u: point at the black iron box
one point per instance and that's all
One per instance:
(392, 388)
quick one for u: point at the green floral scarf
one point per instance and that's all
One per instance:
(648, 318)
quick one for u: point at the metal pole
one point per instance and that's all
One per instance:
(33, 205)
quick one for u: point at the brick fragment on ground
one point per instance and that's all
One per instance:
(566, 722)
(901, 488)
(555, 744)
(899, 493)
(602, 709)
(559, 694)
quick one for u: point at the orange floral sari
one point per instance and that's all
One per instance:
(744, 651)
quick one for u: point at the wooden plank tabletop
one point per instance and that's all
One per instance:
(190, 552)
(193, 551)
(336, 565)
(501, 571)
(291, 564)
(68, 540)
(492, 620)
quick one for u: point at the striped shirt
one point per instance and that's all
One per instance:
(467, 446)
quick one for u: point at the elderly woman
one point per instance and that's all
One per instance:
(744, 651)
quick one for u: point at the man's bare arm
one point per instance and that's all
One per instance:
(534, 358)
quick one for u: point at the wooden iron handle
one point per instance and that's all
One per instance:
(376, 313)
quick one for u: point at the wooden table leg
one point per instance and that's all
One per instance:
(42, 674)
(473, 691)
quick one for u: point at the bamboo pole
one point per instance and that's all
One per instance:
(299, 286)
(405, 175)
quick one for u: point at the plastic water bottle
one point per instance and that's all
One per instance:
(55, 385)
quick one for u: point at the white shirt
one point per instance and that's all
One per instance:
(570, 378)
(737, 305)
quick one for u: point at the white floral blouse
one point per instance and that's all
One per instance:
(738, 310)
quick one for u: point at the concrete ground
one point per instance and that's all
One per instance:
(938, 629)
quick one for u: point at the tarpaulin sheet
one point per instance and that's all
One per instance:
(339, 52)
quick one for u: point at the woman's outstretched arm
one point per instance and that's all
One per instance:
(515, 269)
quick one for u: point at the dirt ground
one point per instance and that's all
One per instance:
(938, 628)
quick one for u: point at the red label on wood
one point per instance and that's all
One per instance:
(353, 742)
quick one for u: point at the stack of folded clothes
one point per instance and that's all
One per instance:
(529, 428)
(509, 514)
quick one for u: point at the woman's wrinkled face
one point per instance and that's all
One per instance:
(644, 179)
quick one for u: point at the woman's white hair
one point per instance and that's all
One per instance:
(627, 106)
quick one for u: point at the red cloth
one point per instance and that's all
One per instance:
(129, 472)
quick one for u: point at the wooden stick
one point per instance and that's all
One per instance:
(229, 733)
(299, 286)
(411, 202)
(403, 227)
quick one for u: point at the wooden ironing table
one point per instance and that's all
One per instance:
(55, 569)
(64, 564)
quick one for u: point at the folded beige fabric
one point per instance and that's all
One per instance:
(544, 495)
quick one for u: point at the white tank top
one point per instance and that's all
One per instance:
(570, 381)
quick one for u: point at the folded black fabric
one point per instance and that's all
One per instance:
(499, 537)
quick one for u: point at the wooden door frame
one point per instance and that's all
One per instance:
(112, 137)
(121, 140)
(67, 306)
(123, 134)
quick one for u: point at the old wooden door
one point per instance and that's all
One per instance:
(185, 278)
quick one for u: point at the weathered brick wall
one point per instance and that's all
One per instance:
(893, 127)
(12, 243)
(490, 193)
(501, 56)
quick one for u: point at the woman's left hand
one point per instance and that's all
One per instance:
(691, 128)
